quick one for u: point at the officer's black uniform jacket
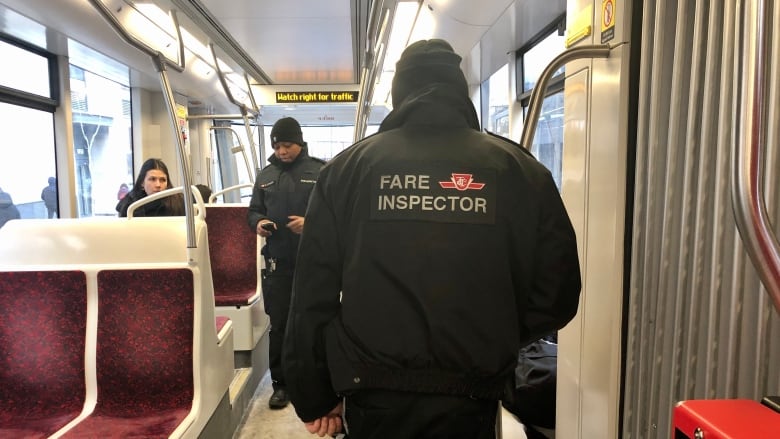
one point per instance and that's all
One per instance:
(283, 189)
(451, 249)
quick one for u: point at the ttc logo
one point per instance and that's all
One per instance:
(461, 182)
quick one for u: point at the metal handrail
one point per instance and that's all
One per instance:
(747, 185)
(240, 148)
(199, 202)
(237, 187)
(242, 106)
(537, 95)
(140, 45)
(160, 63)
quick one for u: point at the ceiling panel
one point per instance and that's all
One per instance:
(294, 42)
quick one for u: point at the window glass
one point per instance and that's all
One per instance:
(547, 145)
(498, 102)
(539, 56)
(27, 158)
(102, 141)
(229, 168)
(30, 72)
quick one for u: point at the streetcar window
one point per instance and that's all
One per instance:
(498, 102)
(27, 157)
(30, 72)
(28, 98)
(537, 57)
(102, 127)
(547, 144)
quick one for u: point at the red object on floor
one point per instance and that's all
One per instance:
(724, 419)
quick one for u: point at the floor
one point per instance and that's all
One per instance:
(263, 423)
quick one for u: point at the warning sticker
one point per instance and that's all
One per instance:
(608, 12)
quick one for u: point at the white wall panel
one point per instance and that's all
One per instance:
(594, 190)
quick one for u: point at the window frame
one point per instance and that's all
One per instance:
(556, 82)
(31, 100)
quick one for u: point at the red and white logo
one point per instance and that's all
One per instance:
(461, 182)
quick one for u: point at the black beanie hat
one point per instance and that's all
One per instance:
(427, 62)
(287, 129)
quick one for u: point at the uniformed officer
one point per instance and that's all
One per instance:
(276, 212)
(432, 253)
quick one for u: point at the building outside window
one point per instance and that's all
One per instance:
(102, 130)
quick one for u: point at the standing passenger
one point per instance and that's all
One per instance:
(152, 178)
(432, 253)
(49, 197)
(279, 201)
(8, 210)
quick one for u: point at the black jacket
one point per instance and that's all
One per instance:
(431, 253)
(283, 189)
(8, 210)
(168, 206)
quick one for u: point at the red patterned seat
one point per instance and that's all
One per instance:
(233, 255)
(144, 354)
(42, 345)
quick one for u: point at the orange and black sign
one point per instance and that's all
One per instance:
(315, 97)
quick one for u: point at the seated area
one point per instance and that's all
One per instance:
(133, 401)
(109, 330)
(42, 383)
(234, 255)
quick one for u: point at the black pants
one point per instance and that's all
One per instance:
(382, 414)
(277, 290)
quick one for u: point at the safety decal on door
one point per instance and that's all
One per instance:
(608, 11)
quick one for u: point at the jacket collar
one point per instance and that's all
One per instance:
(275, 160)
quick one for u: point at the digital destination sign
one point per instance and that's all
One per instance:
(315, 97)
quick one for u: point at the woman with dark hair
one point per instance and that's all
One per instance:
(152, 178)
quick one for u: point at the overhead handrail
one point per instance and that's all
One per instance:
(160, 63)
(242, 107)
(240, 148)
(214, 116)
(130, 39)
(537, 95)
(747, 184)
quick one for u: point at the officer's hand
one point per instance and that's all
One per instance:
(295, 224)
(263, 232)
(329, 424)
